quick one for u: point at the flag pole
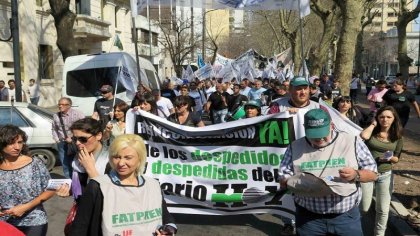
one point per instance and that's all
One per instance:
(301, 38)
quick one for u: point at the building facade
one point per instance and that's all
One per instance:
(97, 24)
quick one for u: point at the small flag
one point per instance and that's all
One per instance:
(200, 61)
(117, 43)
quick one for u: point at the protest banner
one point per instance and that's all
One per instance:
(222, 169)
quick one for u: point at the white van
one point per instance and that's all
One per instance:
(83, 76)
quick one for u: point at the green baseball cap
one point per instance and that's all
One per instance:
(299, 81)
(252, 103)
(317, 123)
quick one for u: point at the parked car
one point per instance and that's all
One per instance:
(36, 122)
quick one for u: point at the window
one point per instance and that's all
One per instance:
(83, 7)
(144, 36)
(378, 14)
(86, 83)
(391, 23)
(376, 24)
(9, 115)
(155, 39)
(392, 14)
(151, 79)
(46, 62)
(39, 3)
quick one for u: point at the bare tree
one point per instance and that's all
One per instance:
(178, 42)
(64, 20)
(216, 32)
(352, 12)
(405, 16)
(329, 14)
(367, 18)
(288, 24)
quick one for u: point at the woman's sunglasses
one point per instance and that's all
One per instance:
(82, 140)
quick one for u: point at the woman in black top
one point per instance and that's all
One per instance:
(145, 102)
(347, 109)
(401, 99)
(183, 114)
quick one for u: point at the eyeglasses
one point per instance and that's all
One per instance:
(104, 92)
(81, 139)
(181, 105)
(63, 104)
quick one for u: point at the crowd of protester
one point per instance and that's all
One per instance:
(103, 148)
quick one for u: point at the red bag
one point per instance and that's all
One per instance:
(70, 219)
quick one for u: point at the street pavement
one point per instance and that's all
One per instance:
(255, 224)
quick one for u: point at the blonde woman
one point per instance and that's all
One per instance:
(124, 190)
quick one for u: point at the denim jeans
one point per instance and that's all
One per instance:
(65, 159)
(219, 116)
(345, 224)
(383, 190)
(34, 100)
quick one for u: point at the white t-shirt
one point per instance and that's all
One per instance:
(12, 93)
(33, 91)
(164, 106)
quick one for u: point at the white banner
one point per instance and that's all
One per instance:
(221, 60)
(204, 72)
(304, 8)
(223, 169)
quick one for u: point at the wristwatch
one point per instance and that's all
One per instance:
(357, 177)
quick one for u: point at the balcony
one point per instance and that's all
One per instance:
(144, 50)
(93, 28)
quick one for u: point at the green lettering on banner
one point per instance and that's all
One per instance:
(263, 130)
(275, 136)
(139, 215)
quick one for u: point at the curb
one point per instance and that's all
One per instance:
(396, 224)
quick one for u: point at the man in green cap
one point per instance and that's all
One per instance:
(299, 98)
(332, 161)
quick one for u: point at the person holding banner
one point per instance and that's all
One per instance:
(323, 170)
(146, 103)
(116, 126)
(183, 114)
(299, 98)
(124, 200)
